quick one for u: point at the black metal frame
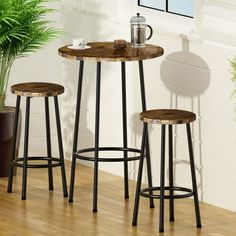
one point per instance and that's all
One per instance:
(110, 159)
(49, 151)
(171, 188)
(77, 154)
(23, 161)
(166, 10)
(125, 137)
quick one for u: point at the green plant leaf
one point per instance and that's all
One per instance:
(23, 30)
(233, 78)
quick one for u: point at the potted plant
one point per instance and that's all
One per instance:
(23, 29)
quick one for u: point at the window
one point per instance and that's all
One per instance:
(179, 7)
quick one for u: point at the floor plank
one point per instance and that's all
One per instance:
(48, 213)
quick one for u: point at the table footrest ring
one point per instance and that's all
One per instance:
(55, 162)
(108, 159)
(146, 192)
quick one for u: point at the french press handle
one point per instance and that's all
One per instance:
(151, 32)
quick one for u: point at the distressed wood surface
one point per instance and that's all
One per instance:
(37, 89)
(105, 51)
(167, 116)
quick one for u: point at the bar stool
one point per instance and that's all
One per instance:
(167, 117)
(30, 90)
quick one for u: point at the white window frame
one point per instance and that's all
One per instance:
(165, 10)
(218, 22)
(214, 21)
(165, 22)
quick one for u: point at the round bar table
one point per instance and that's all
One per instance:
(99, 52)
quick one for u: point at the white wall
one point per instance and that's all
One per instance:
(192, 75)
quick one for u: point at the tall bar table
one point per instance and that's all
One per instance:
(100, 52)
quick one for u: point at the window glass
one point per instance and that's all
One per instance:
(183, 7)
(158, 4)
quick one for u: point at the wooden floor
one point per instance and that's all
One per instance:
(48, 213)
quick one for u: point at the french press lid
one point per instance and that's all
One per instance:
(137, 19)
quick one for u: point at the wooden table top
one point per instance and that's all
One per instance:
(105, 51)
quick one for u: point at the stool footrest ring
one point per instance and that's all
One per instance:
(145, 192)
(55, 162)
(108, 159)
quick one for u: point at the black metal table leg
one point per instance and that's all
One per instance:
(194, 181)
(144, 108)
(60, 145)
(49, 150)
(24, 176)
(97, 121)
(140, 171)
(162, 180)
(76, 129)
(11, 166)
(171, 175)
(125, 142)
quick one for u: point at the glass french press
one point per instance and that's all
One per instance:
(138, 31)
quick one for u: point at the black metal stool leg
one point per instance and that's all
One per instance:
(149, 171)
(76, 130)
(96, 153)
(144, 108)
(11, 165)
(171, 175)
(139, 180)
(60, 145)
(194, 181)
(25, 161)
(162, 180)
(124, 107)
(49, 150)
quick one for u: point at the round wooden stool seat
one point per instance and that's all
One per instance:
(37, 89)
(167, 116)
